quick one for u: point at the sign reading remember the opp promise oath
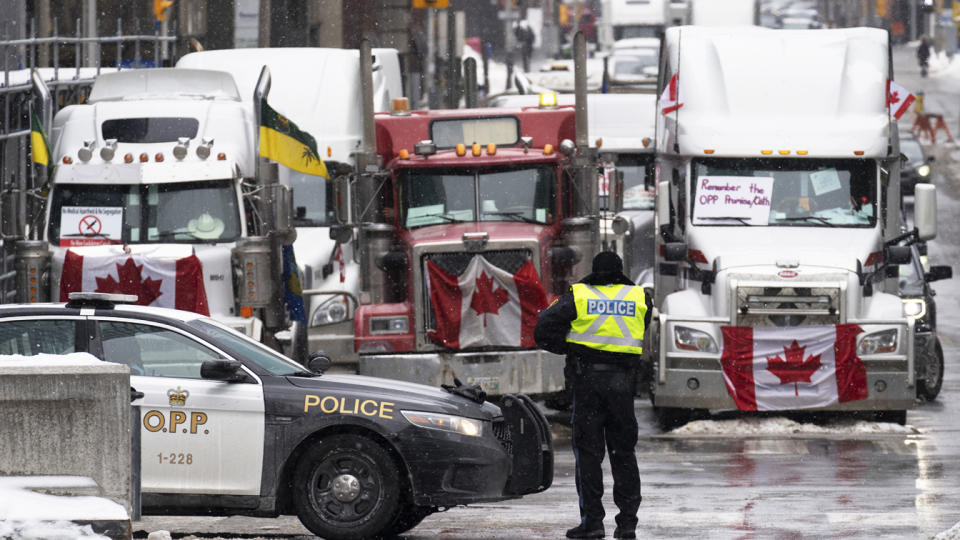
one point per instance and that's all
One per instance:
(745, 198)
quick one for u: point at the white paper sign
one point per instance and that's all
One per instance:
(90, 225)
(734, 198)
(825, 181)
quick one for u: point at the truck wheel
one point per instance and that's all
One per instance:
(672, 417)
(893, 417)
(410, 516)
(930, 378)
(345, 488)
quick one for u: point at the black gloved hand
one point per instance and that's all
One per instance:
(472, 392)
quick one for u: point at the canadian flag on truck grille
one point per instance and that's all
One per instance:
(485, 305)
(157, 281)
(770, 369)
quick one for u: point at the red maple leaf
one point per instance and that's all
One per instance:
(894, 97)
(485, 299)
(130, 283)
(795, 368)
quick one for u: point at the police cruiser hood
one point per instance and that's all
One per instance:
(405, 395)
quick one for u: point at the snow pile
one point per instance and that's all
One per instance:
(72, 359)
(46, 530)
(28, 515)
(953, 533)
(785, 426)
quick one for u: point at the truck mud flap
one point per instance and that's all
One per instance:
(532, 446)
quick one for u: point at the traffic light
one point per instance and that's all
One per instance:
(160, 8)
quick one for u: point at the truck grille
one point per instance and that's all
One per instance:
(509, 260)
(502, 434)
(787, 306)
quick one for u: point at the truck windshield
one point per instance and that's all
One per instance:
(312, 199)
(638, 192)
(433, 196)
(784, 192)
(182, 212)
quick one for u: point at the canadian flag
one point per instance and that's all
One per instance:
(898, 99)
(770, 369)
(157, 281)
(670, 98)
(485, 305)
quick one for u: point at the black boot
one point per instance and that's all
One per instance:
(623, 532)
(586, 531)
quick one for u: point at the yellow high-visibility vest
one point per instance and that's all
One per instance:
(609, 317)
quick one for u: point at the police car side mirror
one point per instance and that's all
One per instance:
(319, 362)
(222, 369)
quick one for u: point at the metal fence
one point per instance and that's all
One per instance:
(23, 185)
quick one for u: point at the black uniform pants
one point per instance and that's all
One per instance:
(603, 415)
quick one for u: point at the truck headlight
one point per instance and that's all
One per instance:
(333, 310)
(914, 308)
(878, 342)
(389, 325)
(923, 170)
(689, 339)
(445, 422)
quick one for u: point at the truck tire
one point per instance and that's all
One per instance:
(409, 516)
(672, 417)
(893, 417)
(930, 378)
(346, 488)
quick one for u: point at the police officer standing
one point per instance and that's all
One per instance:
(599, 325)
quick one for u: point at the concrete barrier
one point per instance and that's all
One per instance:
(67, 415)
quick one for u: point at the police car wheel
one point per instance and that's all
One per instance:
(409, 516)
(346, 487)
(931, 377)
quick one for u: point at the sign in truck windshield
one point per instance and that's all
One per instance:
(784, 192)
(90, 225)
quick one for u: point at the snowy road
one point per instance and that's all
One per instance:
(762, 478)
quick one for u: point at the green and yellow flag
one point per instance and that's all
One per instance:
(39, 145)
(282, 141)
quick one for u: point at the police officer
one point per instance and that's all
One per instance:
(599, 325)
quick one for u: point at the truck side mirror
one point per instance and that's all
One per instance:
(616, 192)
(342, 234)
(897, 254)
(663, 202)
(938, 272)
(925, 211)
(341, 197)
(675, 251)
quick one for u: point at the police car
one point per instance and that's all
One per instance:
(229, 426)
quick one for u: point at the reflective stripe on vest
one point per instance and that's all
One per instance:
(609, 317)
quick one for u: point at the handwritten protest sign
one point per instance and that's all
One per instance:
(736, 198)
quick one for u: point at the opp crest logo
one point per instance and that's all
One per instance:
(178, 396)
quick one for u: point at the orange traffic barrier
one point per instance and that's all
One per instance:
(927, 125)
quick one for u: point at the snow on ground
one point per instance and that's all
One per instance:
(785, 426)
(953, 533)
(28, 515)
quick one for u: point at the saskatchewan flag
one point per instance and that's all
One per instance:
(39, 145)
(282, 141)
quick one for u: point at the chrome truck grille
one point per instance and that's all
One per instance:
(787, 306)
(509, 260)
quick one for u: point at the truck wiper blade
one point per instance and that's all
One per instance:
(444, 217)
(165, 235)
(515, 216)
(818, 219)
(712, 218)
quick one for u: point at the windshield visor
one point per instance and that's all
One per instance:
(784, 192)
(183, 212)
(436, 196)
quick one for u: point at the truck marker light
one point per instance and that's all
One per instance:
(403, 154)
(461, 150)
(708, 150)
(144, 157)
(858, 152)
(221, 156)
(599, 142)
(400, 107)
(547, 149)
(646, 142)
(784, 152)
(548, 100)
(802, 152)
(329, 151)
(766, 152)
(246, 312)
(67, 160)
(128, 158)
(491, 149)
(159, 157)
(476, 149)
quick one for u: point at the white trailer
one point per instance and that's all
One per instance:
(623, 19)
(778, 194)
(725, 12)
(319, 90)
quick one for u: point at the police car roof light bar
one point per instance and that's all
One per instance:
(99, 300)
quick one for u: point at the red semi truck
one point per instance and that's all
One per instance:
(469, 222)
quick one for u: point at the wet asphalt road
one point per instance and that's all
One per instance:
(893, 485)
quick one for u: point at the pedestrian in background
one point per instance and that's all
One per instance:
(599, 325)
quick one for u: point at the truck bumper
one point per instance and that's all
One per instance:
(497, 372)
(334, 339)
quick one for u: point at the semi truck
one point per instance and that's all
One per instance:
(777, 215)
(470, 221)
(319, 89)
(623, 19)
(155, 193)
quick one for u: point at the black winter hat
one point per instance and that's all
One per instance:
(607, 269)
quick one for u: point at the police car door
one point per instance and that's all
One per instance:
(197, 435)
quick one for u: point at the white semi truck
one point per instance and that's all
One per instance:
(154, 193)
(319, 90)
(623, 19)
(778, 169)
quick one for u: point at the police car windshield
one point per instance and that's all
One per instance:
(246, 348)
(785, 192)
(178, 212)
